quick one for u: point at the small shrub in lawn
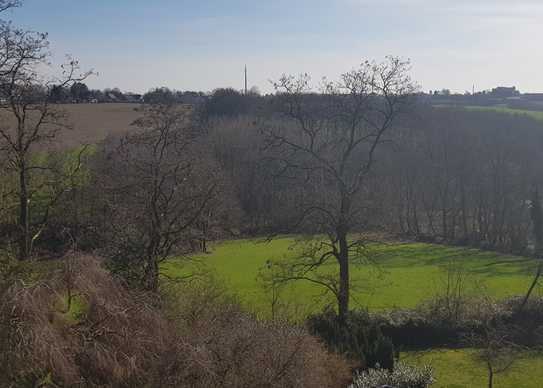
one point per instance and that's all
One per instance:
(403, 376)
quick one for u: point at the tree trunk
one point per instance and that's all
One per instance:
(490, 377)
(465, 232)
(537, 221)
(24, 222)
(532, 286)
(151, 271)
(151, 275)
(343, 295)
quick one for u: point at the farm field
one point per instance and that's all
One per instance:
(93, 122)
(534, 114)
(400, 274)
(460, 369)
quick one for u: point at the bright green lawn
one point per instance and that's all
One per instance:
(460, 369)
(403, 274)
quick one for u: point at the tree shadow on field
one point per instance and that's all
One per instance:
(490, 264)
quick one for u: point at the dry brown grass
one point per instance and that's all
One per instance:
(119, 339)
(123, 339)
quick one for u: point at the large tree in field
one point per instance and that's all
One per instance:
(325, 143)
(29, 122)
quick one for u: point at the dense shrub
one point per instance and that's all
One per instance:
(240, 351)
(360, 338)
(403, 376)
(108, 336)
(429, 325)
(414, 329)
(371, 339)
(528, 321)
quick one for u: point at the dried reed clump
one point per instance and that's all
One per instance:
(117, 339)
(112, 337)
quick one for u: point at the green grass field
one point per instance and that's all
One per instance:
(461, 369)
(534, 114)
(401, 274)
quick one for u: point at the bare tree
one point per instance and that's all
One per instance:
(7, 4)
(29, 123)
(326, 145)
(495, 344)
(450, 302)
(160, 183)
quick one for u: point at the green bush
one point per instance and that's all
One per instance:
(360, 338)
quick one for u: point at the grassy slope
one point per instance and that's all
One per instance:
(460, 369)
(403, 274)
(534, 114)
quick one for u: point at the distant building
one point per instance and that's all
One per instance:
(504, 92)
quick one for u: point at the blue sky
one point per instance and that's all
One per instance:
(204, 44)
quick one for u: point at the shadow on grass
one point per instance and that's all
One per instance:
(490, 264)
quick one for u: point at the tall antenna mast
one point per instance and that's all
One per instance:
(245, 79)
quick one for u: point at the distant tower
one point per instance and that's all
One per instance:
(245, 79)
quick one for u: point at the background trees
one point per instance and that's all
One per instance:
(159, 96)
(228, 102)
(463, 177)
(79, 92)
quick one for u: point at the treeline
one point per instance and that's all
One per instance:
(465, 178)
(80, 93)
